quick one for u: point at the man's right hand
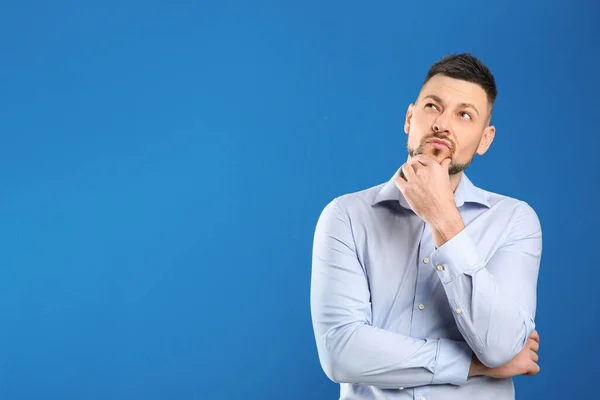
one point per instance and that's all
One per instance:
(524, 363)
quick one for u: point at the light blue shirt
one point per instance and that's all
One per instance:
(396, 318)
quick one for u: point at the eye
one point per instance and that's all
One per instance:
(431, 105)
(465, 115)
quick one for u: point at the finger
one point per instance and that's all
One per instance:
(533, 370)
(423, 159)
(446, 164)
(417, 167)
(533, 345)
(401, 176)
(534, 356)
(402, 179)
(409, 172)
(535, 336)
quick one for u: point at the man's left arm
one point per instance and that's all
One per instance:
(493, 303)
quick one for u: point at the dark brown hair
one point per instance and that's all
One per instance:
(468, 68)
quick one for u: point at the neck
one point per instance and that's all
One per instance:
(454, 180)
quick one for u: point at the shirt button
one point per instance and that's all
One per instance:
(421, 306)
(458, 311)
(426, 260)
(440, 267)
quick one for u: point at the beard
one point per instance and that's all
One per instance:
(454, 167)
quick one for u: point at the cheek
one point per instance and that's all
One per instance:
(422, 119)
(414, 138)
(465, 149)
(417, 129)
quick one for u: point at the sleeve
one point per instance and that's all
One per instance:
(350, 349)
(494, 303)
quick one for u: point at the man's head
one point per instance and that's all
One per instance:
(452, 114)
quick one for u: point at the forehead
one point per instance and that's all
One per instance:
(451, 90)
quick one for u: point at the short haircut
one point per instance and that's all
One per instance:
(468, 68)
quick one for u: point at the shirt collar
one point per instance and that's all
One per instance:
(465, 192)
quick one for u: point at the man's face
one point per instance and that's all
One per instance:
(449, 120)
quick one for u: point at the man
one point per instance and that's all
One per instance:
(424, 287)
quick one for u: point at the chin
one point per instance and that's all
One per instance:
(439, 155)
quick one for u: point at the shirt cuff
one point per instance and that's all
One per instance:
(453, 362)
(456, 257)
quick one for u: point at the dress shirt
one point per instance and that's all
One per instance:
(395, 317)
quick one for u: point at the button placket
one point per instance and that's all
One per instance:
(424, 280)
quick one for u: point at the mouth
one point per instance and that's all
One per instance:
(439, 144)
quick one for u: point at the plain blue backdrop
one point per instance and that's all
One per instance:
(163, 165)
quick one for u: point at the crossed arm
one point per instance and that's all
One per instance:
(493, 303)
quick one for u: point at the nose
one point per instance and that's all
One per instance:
(440, 125)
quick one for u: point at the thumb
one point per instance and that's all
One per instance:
(446, 163)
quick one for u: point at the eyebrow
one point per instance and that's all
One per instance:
(461, 105)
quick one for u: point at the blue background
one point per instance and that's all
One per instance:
(163, 164)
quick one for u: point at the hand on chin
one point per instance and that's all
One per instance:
(438, 155)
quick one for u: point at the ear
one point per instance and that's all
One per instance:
(486, 140)
(409, 113)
